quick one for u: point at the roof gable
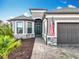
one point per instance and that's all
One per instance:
(22, 17)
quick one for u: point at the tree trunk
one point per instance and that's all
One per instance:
(5, 57)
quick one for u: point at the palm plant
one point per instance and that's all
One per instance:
(7, 44)
(7, 41)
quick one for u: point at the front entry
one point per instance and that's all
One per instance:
(38, 27)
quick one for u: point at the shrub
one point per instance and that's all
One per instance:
(7, 44)
(7, 40)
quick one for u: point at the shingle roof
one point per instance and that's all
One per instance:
(66, 11)
(37, 9)
(22, 17)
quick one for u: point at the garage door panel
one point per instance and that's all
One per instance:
(68, 33)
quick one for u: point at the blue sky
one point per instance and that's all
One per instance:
(14, 8)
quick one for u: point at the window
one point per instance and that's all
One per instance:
(19, 27)
(29, 27)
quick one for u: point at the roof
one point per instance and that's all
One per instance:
(22, 17)
(65, 11)
(37, 9)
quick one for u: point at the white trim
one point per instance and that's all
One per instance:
(13, 26)
(63, 16)
(23, 27)
(37, 17)
(38, 10)
(33, 28)
(44, 28)
(27, 27)
(66, 20)
(52, 36)
(16, 27)
(44, 20)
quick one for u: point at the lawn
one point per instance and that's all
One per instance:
(24, 51)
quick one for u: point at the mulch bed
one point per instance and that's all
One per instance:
(23, 52)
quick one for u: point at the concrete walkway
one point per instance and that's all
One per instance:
(43, 51)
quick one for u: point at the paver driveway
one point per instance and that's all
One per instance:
(43, 51)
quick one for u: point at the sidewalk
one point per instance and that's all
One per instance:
(43, 51)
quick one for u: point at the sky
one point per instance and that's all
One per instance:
(13, 8)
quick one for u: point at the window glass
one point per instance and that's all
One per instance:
(29, 27)
(19, 27)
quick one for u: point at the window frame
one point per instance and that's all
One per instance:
(17, 27)
(29, 26)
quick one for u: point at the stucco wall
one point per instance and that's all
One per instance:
(59, 18)
(49, 26)
(37, 15)
(13, 26)
(24, 36)
(44, 29)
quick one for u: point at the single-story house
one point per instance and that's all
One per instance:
(59, 26)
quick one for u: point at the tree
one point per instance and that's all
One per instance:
(6, 29)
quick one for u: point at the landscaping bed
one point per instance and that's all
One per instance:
(23, 52)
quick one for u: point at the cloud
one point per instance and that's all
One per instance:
(27, 13)
(11, 17)
(59, 7)
(72, 6)
(63, 1)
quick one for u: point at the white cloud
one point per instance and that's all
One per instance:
(59, 7)
(11, 17)
(71, 6)
(27, 13)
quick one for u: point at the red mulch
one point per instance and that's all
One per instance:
(23, 52)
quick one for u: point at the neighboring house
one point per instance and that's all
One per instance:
(59, 26)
